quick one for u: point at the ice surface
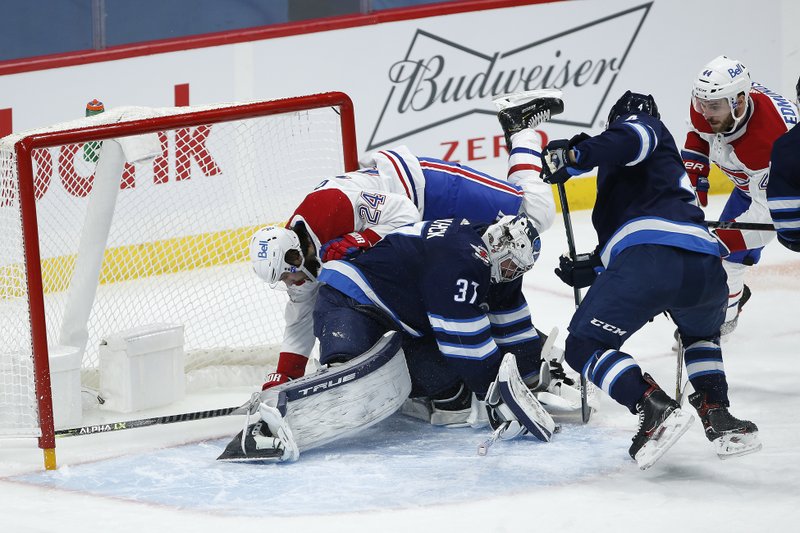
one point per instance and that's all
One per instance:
(402, 475)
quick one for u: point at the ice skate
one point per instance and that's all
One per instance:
(730, 436)
(661, 424)
(527, 109)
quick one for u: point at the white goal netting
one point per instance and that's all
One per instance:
(162, 239)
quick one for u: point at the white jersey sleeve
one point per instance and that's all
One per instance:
(298, 336)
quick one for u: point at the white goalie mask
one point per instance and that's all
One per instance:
(513, 244)
(719, 83)
(271, 250)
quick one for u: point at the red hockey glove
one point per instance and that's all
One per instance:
(344, 247)
(698, 175)
(290, 366)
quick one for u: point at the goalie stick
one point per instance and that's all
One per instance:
(586, 411)
(153, 421)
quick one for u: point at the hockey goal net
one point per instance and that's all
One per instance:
(143, 216)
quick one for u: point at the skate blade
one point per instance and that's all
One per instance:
(675, 426)
(736, 445)
(513, 99)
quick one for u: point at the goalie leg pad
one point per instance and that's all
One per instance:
(341, 400)
(510, 400)
(333, 403)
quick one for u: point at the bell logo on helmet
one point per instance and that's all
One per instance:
(733, 72)
(262, 254)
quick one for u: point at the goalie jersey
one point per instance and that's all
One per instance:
(433, 279)
(643, 192)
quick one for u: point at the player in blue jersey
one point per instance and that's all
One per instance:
(452, 288)
(654, 255)
(783, 189)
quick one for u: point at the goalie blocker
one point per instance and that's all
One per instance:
(314, 410)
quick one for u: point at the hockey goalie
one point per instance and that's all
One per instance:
(433, 306)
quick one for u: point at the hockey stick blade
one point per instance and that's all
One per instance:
(154, 421)
(586, 409)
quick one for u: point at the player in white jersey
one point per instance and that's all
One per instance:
(350, 213)
(734, 123)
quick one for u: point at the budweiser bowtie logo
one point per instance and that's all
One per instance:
(439, 81)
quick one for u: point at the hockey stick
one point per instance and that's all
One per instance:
(153, 421)
(586, 411)
(730, 224)
(483, 448)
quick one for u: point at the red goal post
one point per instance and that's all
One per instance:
(142, 215)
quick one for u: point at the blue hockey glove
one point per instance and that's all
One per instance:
(555, 161)
(581, 272)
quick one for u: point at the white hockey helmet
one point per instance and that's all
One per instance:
(513, 244)
(270, 248)
(721, 78)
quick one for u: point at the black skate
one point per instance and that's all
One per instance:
(661, 424)
(256, 443)
(730, 436)
(528, 109)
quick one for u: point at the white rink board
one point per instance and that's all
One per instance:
(401, 75)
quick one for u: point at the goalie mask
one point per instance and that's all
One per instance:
(276, 252)
(513, 244)
(717, 87)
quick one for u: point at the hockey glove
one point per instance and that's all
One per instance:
(556, 165)
(344, 247)
(581, 272)
(290, 366)
(698, 175)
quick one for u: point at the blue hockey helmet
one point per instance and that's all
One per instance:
(633, 103)
(513, 244)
